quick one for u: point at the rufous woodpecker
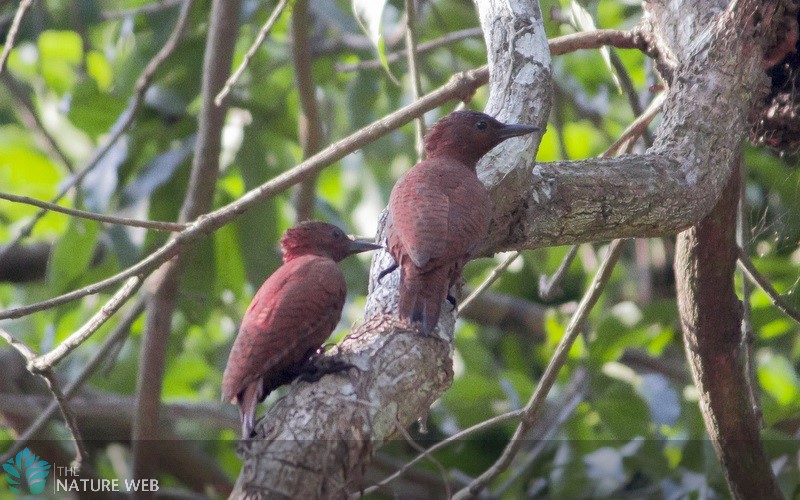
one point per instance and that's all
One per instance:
(290, 317)
(439, 212)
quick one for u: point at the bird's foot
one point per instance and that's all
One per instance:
(318, 365)
(452, 301)
(386, 271)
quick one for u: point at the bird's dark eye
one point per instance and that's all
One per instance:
(481, 125)
(337, 234)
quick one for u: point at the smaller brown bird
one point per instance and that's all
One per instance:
(290, 317)
(439, 212)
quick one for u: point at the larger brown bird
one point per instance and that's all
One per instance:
(439, 212)
(290, 317)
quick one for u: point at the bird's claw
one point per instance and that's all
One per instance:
(318, 366)
(452, 301)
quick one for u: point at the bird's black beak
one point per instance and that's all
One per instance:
(358, 246)
(514, 130)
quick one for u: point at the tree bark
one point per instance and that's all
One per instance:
(316, 440)
(711, 318)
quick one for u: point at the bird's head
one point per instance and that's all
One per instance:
(468, 135)
(323, 239)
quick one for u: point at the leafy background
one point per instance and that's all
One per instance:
(623, 417)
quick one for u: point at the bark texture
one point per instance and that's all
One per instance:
(711, 319)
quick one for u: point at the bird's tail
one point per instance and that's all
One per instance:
(247, 401)
(421, 296)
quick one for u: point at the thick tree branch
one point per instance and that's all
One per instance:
(400, 372)
(710, 313)
(310, 125)
(222, 31)
(671, 187)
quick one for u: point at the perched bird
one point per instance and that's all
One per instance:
(290, 317)
(439, 212)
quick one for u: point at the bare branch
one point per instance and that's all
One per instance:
(493, 276)
(758, 279)
(48, 361)
(220, 43)
(82, 456)
(710, 314)
(743, 235)
(122, 221)
(120, 332)
(547, 286)
(17, 344)
(458, 436)
(452, 37)
(30, 117)
(150, 8)
(262, 35)
(309, 123)
(534, 405)
(12, 32)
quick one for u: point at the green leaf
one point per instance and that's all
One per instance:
(583, 21)
(93, 111)
(72, 253)
(778, 378)
(368, 14)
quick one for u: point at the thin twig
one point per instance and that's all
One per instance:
(98, 358)
(30, 117)
(413, 71)
(124, 121)
(460, 86)
(262, 34)
(17, 344)
(547, 286)
(49, 360)
(749, 270)
(122, 221)
(748, 338)
(568, 400)
(625, 82)
(12, 32)
(452, 37)
(637, 127)
(499, 419)
(151, 8)
(81, 455)
(493, 276)
(536, 401)
(431, 458)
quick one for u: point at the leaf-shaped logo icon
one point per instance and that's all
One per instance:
(26, 473)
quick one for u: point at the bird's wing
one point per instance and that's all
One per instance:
(294, 311)
(437, 210)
